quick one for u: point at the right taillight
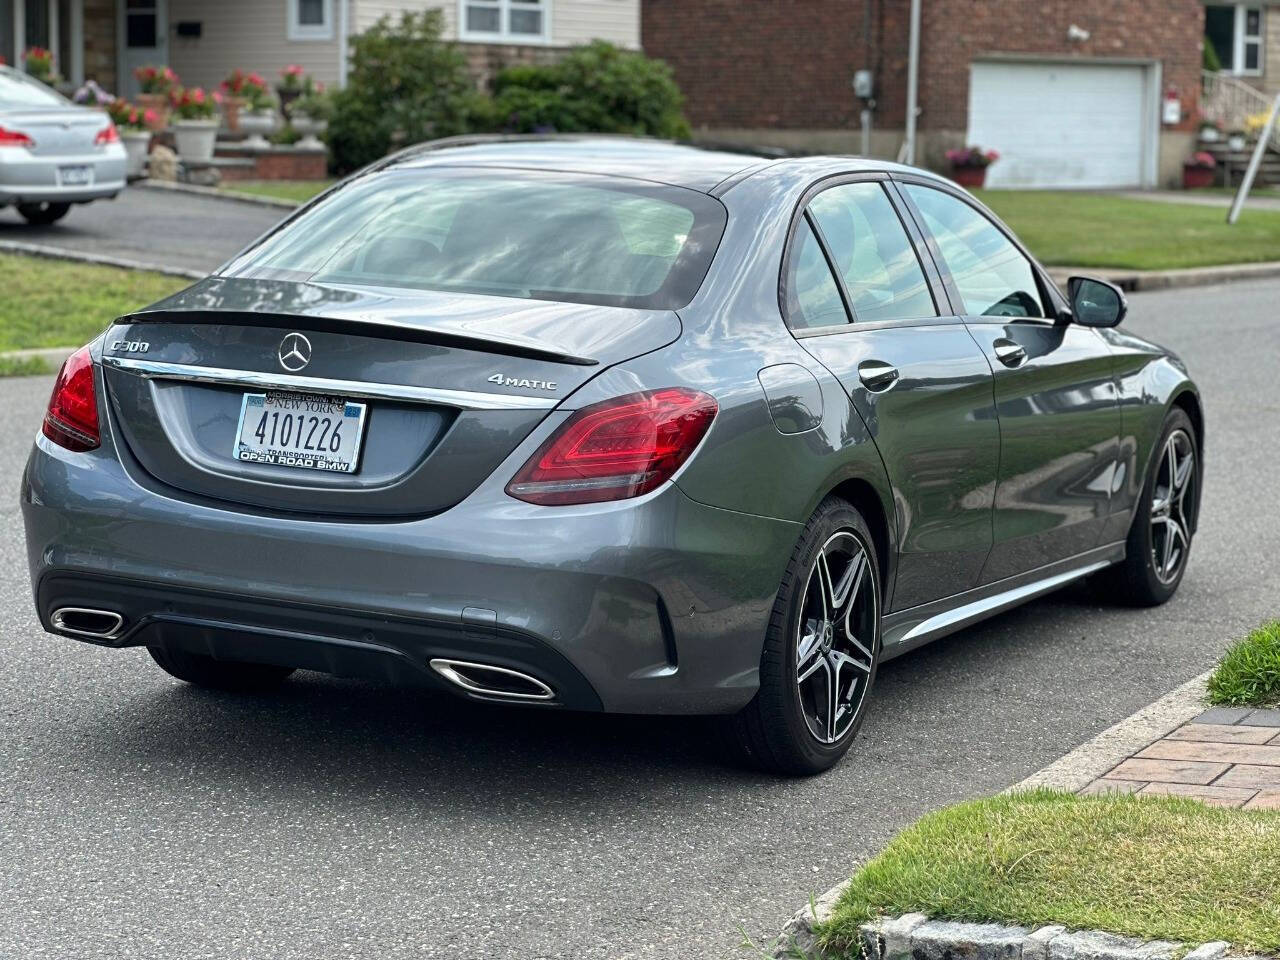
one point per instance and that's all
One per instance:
(72, 418)
(14, 138)
(616, 449)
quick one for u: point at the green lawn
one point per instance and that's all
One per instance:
(52, 303)
(1066, 228)
(297, 190)
(1249, 674)
(1152, 867)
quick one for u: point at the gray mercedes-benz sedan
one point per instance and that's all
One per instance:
(610, 424)
(53, 153)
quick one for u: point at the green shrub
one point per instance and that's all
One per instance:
(595, 89)
(405, 85)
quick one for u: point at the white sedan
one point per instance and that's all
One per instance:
(52, 152)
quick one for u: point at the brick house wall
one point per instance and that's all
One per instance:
(780, 71)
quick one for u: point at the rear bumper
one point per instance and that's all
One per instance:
(25, 178)
(654, 605)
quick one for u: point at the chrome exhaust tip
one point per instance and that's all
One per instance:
(489, 681)
(85, 622)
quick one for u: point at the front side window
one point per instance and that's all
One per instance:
(515, 21)
(992, 275)
(870, 249)
(534, 236)
(310, 19)
(1234, 30)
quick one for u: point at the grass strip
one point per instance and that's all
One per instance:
(1153, 867)
(1249, 674)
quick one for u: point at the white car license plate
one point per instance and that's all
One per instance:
(305, 430)
(80, 176)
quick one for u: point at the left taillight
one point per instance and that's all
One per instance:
(616, 449)
(108, 134)
(14, 138)
(72, 418)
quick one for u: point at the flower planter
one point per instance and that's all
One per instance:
(972, 177)
(135, 143)
(1237, 142)
(257, 124)
(158, 102)
(309, 128)
(287, 97)
(1195, 178)
(232, 108)
(195, 139)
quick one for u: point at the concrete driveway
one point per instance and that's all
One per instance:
(154, 227)
(140, 818)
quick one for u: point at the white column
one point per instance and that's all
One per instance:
(54, 30)
(76, 67)
(19, 32)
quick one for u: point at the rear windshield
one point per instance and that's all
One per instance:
(584, 239)
(20, 93)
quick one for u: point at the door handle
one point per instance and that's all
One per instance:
(877, 376)
(1009, 353)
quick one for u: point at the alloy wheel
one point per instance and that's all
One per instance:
(837, 637)
(1172, 503)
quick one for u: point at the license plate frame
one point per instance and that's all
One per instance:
(310, 408)
(76, 175)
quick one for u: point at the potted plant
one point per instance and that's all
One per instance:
(969, 166)
(258, 115)
(1210, 131)
(134, 134)
(90, 94)
(1197, 171)
(293, 84)
(156, 83)
(194, 123)
(1237, 141)
(38, 62)
(310, 116)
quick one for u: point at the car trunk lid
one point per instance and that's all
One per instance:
(68, 132)
(451, 384)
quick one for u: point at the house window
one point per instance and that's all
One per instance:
(310, 19)
(506, 21)
(1235, 32)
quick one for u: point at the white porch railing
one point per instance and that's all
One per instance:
(1230, 103)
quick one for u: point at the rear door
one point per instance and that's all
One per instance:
(860, 300)
(1054, 390)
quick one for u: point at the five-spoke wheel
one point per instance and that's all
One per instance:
(1172, 502)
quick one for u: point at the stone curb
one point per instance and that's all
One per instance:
(1092, 759)
(61, 253)
(914, 936)
(52, 356)
(1134, 281)
(217, 193)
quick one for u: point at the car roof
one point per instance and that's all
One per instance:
(662, 161)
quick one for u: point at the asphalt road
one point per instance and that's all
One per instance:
(140, 818)
(151, 226)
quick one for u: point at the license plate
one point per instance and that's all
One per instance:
(303, 430)
(80, 176)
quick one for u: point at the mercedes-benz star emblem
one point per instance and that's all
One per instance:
(295, 352)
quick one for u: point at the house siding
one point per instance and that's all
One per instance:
(573, 22)
(249, 34)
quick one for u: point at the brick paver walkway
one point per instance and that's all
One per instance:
(1227, 756)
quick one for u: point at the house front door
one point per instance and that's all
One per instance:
(144, 40)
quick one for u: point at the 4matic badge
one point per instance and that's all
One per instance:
(521, 384)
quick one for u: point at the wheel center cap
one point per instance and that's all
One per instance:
(828, 636)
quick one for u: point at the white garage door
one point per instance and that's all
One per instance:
(1062, 124)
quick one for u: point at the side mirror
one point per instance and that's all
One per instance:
(1096, 303)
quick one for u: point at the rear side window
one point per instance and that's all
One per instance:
(993, 277)
(870, 249)
(813, 297)
(502, 232)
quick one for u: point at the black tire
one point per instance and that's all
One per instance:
(774, 731)
(1138, 580)
(205, 671)
(43, 214)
